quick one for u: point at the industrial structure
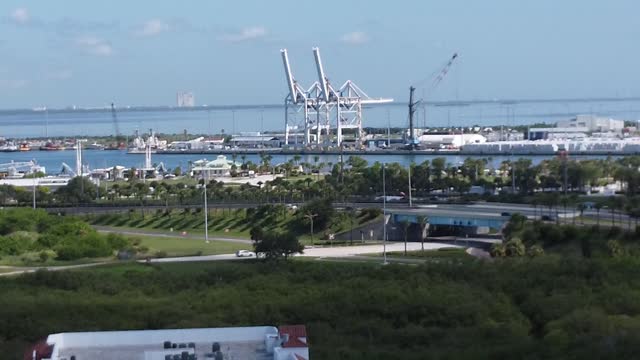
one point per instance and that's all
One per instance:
(312, 110)
(414, 143)
(119, 144)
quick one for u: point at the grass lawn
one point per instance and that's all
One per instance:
(33, 259)
(185, 246)
(167, 245)
(224, 223)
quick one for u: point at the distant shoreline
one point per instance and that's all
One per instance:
(374, 152)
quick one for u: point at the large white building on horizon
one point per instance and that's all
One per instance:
(185, 99)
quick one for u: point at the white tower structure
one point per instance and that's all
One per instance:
(321, 102)
(297, 101)
(147, 157)
(79, 171)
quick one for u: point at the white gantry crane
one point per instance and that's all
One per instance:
(321, 102)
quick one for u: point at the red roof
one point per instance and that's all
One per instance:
(295, 332)
(42, 351)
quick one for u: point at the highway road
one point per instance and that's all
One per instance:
(324, 252)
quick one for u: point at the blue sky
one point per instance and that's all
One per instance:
(88, 53)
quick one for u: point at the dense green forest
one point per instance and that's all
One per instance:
(541, 308)
(535, 238)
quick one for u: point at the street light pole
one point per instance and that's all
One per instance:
(410, 197)
(206, 210)
(384, 216)
(34, 191)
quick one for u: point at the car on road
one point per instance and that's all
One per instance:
(245, 253)
(292, 207)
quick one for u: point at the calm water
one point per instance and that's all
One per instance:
(53, 160)
(22, 124)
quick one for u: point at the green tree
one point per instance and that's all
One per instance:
(324, 210)
(515, 248)
(276, 244)
(498, 250)
(79, 190)
(535, 251)
(615, 248)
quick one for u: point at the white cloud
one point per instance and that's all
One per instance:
(355, 38)
(152, 28)
(20, 16)
(95, 46)
(13, 84)
(246, 34)
(63, 74)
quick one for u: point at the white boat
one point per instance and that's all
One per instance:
(94, 146)
(8, 148)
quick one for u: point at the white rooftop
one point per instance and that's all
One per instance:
(235, 343)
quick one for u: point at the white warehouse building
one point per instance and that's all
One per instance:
(592, 123)
(257, 342)
(454, 141)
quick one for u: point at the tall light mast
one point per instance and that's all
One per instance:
(412, 110)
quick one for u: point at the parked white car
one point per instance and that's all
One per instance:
(245, 253)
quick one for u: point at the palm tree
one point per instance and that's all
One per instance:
(316, 158)
(116, 190)
(423, 221)
(582, 207)
(405, 230)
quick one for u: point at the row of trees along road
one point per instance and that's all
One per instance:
(356, 179)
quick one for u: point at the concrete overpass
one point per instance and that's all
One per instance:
(451, 219)
(448, 216)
